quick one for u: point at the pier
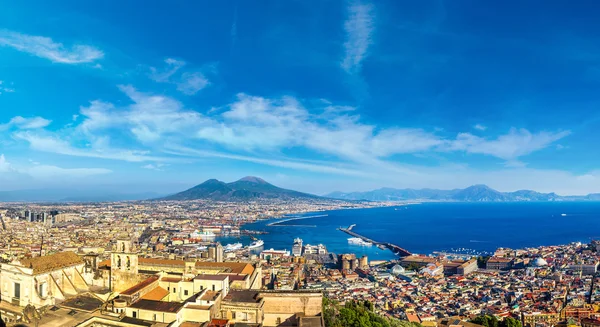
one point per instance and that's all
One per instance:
(393, 247)
(276, 223)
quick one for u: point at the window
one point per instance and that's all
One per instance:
(174, 290)
(134, 314)
(213, 287)
(278, 321)
(185, 292)
(232, 314)
(154, 317)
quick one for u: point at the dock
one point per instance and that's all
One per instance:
(393, 247)
(279, 222)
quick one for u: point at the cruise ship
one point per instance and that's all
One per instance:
(297, 247)
(203, 235)
(256, 244)
(233, 247)
(358, 241)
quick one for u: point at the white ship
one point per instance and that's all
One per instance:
(256, 244)
(233, 247)
(203, 235)
(359, 241)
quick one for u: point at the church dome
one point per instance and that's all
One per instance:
(539, 262)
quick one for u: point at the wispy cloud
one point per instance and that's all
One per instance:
(515, 144)
(480, 127)
(45, 47)
(54, 144)
(188, 83)
(5, 89)
(163, 75)
(156, 166)
(359, 27)
(320, 168)
(25, 123)
(39, 171)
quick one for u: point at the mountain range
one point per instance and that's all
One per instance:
(475, 193)
(247, 188)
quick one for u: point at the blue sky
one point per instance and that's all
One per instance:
(311, 95)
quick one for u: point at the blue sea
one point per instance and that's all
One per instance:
(451, 227)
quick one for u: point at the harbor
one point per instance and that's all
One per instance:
(382, 245)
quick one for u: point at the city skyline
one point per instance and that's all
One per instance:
(311, 96)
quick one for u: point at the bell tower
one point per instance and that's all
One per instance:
(124, 257)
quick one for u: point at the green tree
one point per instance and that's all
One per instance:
(482, 261)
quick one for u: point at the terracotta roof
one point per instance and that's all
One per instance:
(140, 286)
(233, 267)
(156, 294)
(52, 262)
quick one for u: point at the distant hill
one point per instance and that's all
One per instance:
(249, 187)
(475, 193)
(72, 195)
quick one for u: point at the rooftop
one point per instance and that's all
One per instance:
(157, 306)
(140, 286)
(52, 262)
(248, 296)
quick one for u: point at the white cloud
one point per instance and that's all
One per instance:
(156, 166)
(515, 144)
(291, 164)
(4, 165)
(25, 123)
(191, 83)
(53, 144)
(188, 83)
(45, 47)
(261, 130)
(4, 89)
(39, 171)
(163, 76)
(359, 29)
(480, 127)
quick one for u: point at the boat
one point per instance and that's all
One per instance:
(359, 241)
(203, 235)
(233, 247)
(256, 244)
(563, 214)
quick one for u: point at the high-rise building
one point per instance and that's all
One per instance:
(28, 215)
(219, 252)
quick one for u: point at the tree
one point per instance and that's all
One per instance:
(486, 320)
(482, 261)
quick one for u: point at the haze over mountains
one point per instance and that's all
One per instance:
(475, 193)
(249, 187)
(73, 195)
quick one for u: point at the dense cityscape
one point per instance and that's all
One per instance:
(285, 163)
(159, 263)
